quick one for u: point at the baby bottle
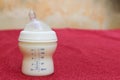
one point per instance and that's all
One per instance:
(37, 43)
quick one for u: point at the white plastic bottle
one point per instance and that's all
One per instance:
(37, 42)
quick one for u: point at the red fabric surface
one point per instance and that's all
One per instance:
(80, 55)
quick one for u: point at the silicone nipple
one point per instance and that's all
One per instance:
(36, 25)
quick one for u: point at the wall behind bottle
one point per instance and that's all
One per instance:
(82, 14)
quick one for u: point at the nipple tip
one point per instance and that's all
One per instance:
(32, 15)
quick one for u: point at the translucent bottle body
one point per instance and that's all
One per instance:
(37, 58)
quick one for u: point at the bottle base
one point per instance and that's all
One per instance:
(47, 74)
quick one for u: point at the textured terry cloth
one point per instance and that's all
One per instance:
(80, 55)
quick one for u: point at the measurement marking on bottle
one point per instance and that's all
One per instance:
(42, 52)
(31, 69)
(42, 49)
(42, 63)
(42, 69)
(37, 56)
(42, 57)
(37, 65)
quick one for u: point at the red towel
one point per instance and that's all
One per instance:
(80, 55)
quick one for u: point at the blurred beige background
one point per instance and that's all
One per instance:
(81, 14)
